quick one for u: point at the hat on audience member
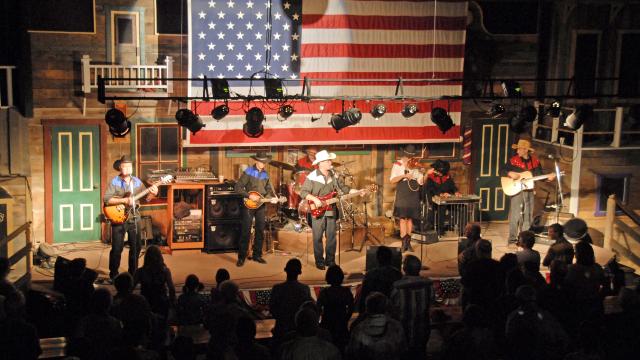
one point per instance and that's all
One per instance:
(576, 229)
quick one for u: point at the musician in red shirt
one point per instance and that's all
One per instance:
(440, 183)
(521, 211)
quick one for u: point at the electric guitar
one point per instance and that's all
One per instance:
(330, 199)
(513, 187)
(250, 204)
(118, 214)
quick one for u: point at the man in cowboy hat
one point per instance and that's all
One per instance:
(321, 182)
(254, 178)
(440, 183)
(116, 194)
(521, 211)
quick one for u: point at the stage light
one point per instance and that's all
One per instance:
(554, 109)
(347, 118)
(220, 88)
(409, 110)
(253, 127)
(582, 114)
(118, 124)
(186, 118)
(286, 111)
(440, 117)
(511, 88)
(378, 111)
(273, 88)
(220, 111)
(519, 122)
(496, 109)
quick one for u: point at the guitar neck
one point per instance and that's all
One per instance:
(539, 177)
(343, 197)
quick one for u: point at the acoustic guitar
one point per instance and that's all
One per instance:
(526, 181)
(118, 214)
(250, 204)
(330, 199)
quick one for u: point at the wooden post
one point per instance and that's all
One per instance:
(534, 125)
(10, 85)
(617, 127)
(554, 129)
(169, 62)
(576, 168)
(611, 216)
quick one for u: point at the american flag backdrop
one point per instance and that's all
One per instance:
(326, 41)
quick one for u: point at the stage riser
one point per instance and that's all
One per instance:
(291, 241)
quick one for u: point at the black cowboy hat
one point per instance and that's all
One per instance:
(409, 150)
(441, 166)
(262, 156)
(123, 159)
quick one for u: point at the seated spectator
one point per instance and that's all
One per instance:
(18, 338)
(191, 303)
(102, 330)
(533, 333)
(557, 300)
(133, 311)
(471, 235)
(336, 306)
(377, 336)
(247, 348)
(620, 337)
(222, 275)
(286, 299)
(381, 278)
(77, 290)
(561, 249)
(308, 345)
(6, 287)
(221, 320)
(508, 263)
(527, 257)
(585, 280)
(156, 284)
(183, 348)
(410, 300)
(483, 281)
(475, 341)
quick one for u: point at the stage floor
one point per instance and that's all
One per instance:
(440, 258)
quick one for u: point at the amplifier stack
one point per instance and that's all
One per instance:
(223, 218)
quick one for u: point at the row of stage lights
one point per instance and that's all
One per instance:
(520, 120)
(120, 126)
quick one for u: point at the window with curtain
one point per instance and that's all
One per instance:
(158, 148)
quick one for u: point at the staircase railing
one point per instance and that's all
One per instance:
(619, 235)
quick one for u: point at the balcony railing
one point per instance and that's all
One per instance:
(127, 77)
(6, 86)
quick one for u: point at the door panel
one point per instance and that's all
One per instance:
(126, 39)
(491, 148)
(75, 173)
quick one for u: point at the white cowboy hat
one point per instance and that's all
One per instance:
(322, 156)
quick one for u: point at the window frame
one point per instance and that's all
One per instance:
(140, 162)
(601, 209)
(572, 58)
(619, 35)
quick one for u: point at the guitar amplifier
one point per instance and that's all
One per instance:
(221, 237)
(221, 204)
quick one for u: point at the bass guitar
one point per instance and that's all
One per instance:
(250, 204)
(118, 214)
(513, 187)
(330, 199)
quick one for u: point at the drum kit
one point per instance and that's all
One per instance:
(290, 188)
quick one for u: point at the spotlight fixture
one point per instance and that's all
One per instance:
(440, 117)
(220, 88)
(511, 89)
(554, 109)
(119, 126)
(347, 118)
(186, 118)
(496, 109)
(519, 122)
(409, 110)
(220, 111)
(253, 127)
(378, 111)
(286, 111)
(582, 114)
(273, 88)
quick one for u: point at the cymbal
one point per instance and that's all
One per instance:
(283, 165)
(341, 163)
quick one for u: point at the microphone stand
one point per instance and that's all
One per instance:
(559, 195)
(340, 208)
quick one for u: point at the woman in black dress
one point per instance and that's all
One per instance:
(407, 203)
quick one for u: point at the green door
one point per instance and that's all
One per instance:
(491, 147)
(75, 173)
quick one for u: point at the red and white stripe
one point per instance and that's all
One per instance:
(372, 40)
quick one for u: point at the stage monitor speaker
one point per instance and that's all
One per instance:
(372, 261)
(224, 207)
(222, 237)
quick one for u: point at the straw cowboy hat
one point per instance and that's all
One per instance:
(322, 156)
(262, 156)
(523, 144)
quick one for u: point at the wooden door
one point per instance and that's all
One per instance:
(75, 180)
(125, 37)
(491, 149)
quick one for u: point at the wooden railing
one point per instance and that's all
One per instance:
(620, 236)
(6, 87)
(22, 253)
(127, 77)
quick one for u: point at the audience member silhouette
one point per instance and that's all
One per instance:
(474, 341)
(18, 338)
(156, 284)
(102, 330)
(307, 344)
(191, 304)
(247, 348)
(585, 280)
(561, 249)
(286, 298)
(381, 278)
(483, 280)
(6, 287)
(222, 275)
(527, 257)
(336, 305)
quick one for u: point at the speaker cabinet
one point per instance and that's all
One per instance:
(224, 207)
(221, 237)
(372, 261)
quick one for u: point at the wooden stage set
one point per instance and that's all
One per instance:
(440, 258)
